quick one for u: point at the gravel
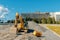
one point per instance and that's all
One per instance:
(47, 34)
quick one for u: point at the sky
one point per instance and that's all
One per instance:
(8, 8)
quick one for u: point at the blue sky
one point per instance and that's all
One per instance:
(10, 7)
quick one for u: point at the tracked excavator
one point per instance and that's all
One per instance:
(19, 26)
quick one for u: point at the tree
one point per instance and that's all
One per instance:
(53, 20)
(49, 20)
(28, 19)
(0, 20)
(44, 21)
(12, 21)
(8, 21)
(58, 22)
(35, 20)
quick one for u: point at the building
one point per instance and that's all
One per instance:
(35, 15)
(56, 15)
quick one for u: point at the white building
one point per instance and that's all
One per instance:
(56, 15)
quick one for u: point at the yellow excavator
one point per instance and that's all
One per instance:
(19, 23)
(19, 26)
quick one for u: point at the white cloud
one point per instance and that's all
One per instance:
(1, 8)
(3, 11)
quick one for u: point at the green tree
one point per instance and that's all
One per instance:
(8, 21)
(44, 21)
(28, 19)
(35, 20)
(39, 20)
(11, 21)
(49, 20)
(53, 20)
(58, 22)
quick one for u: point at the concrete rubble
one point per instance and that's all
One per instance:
(5, 34)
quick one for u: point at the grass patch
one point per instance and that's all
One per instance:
(55, 29)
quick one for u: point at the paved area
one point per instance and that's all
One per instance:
(47, 34)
